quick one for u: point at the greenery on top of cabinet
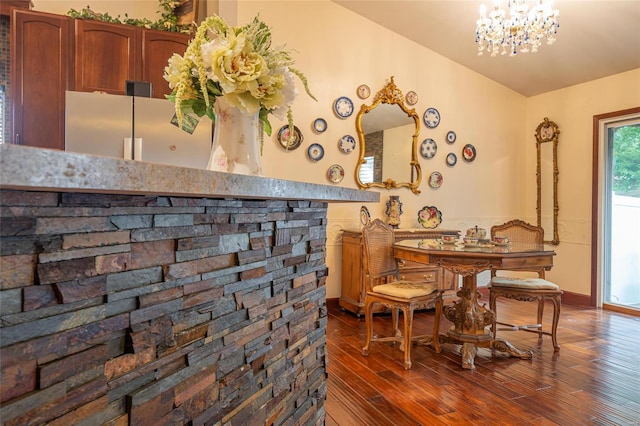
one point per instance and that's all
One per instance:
(167, 22)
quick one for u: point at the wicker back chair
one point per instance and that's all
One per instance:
(384, 287)
(521, 287)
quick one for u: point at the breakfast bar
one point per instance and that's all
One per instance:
(139, 293)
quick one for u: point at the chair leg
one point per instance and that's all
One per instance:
(395, 315)
(492, 305)
(554, 324)
(407, 311)
(540, 316)
(436, 325)
(368, 316)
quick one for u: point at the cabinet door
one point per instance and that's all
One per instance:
(353, 287)
(41, 72)
(157, 48)
(107, 55)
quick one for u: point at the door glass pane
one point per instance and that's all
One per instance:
(622, 282)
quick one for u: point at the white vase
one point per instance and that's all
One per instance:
(236, 141)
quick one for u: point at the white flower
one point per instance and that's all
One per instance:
(289, 93)
(172, 71)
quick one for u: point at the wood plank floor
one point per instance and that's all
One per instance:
(593, 380)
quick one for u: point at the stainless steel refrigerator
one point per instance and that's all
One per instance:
(135, 128)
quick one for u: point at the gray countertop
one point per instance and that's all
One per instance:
(38, 169)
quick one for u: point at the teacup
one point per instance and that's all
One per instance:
(476, 232)
(470, 241)
(449, 238)
(500, 240)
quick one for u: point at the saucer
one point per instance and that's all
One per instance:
(500, 244)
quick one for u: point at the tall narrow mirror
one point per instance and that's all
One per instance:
(547, 179)
(388, 134)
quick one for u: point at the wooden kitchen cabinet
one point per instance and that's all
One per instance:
(107, 55)
(157, 48)
(354, 277)
(41, 72)
(51, 54)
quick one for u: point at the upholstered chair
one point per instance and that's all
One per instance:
(521, 286)
(384, 287)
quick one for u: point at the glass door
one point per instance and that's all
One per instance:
(621, 245)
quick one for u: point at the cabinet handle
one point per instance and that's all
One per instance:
(402, 262)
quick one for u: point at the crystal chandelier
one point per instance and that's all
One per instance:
(521, 32)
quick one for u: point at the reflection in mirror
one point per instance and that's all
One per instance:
(547, 179)
(388, 127)
(388, 133)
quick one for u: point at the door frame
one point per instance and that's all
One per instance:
(597, 231)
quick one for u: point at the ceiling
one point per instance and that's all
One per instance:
(596, 39)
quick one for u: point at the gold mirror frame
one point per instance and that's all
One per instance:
(547, 132)
(390, 94)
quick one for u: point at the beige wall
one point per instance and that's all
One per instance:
(338, 50)
(572, 109)
(134, 9)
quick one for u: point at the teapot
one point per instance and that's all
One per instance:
(475, 232)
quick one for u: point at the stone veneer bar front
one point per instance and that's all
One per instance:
(146, 294)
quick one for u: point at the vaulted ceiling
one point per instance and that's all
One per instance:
(596, 39)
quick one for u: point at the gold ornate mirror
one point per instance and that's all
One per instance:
(547, 179)
(388, 133)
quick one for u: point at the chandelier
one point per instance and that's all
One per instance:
(521, 32)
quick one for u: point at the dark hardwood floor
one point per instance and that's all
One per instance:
(593, 380)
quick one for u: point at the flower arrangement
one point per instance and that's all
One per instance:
(238, 63)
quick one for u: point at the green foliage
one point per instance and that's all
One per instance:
(167, 22)
(626, 166)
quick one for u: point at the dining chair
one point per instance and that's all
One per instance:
(521, 286)
(385, 287)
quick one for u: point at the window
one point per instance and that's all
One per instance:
(366, 170)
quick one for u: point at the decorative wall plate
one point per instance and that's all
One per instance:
(315, 151)
(469, 153)
(283, 137)
(451, 159)
(428, 148)
(319, 125)
(411, 97)
(347, 143)
(451, 136)
(435, 179)
(429, 217)
(343, 107)
(335, 173)
(363, 91)
(365, 216)
(431, 118)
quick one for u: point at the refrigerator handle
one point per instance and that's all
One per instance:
(127, 149)
(137, 149)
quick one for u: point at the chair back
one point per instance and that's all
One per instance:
(519, 231)
(378, 249)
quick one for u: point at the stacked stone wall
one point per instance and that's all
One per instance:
(145, 310)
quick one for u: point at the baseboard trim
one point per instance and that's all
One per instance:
(333, 303)
(621, 309)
